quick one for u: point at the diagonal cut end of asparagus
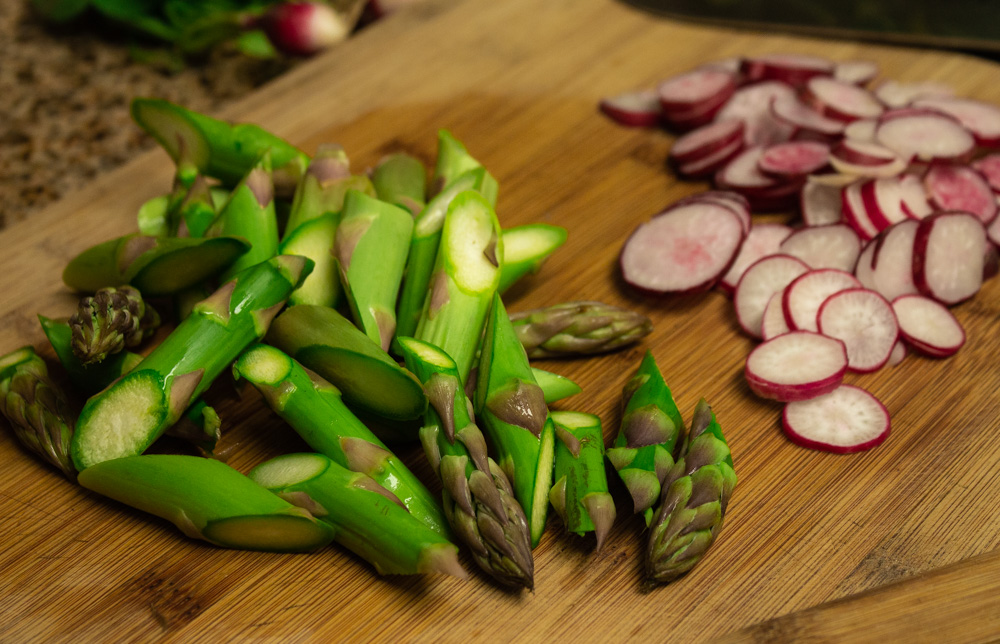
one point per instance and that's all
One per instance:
(441, 559)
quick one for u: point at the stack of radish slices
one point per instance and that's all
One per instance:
(897, 188)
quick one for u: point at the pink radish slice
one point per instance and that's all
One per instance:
(857, 72)
(864, 321)
(635, 109)
(993, 232)
(752, 105)
(895, 95)
(707, 140)
(855, 213)
(686, 120)
(982, 119)
(743, 175)
(926, 137)
(927, 326)
(788, 109)
(889, 267)
(948, 254)
(820, 204)
(863, 153)
(989, 167)
(840, 100)
(806, 294)
(957, 187)
(762, 240)
(864, 270)
(700, 87)
(759, 282)
(797, 365)
(793, 158)
(898, 354)
(830, 246)
(911, 191)
(862, 130)
(846, 420)
(711, 164)
(732, 200)
(793, 69)
(773, 323)
(883, 201)
(684, 249)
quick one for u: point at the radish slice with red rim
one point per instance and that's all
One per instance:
(989, 167)
(703, 142)
(959, 187)
(855, 213)
(862, 130)
(788, 109)
(864, 321)
(841, 100)
(883, 201)
(752, 105)
(793, 69)
(697, 88)
(793, 158)
(993, 232)
(635, 109)
(863, 153)
(820, 204)
(888, 267)
(830, 246)
(762, 240)
(711, 164)
(732, 200)
(806, 294)
(982, 119)
(896, 95)
(844, 421)
(925, 136)
(773, 323)
(898, 354)
(911, 191)
(857, 72)
(797, 365)
(948, 254)
(759, 282)
(684, 249)
(928, 326)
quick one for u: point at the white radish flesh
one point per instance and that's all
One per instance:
(797, 365)
(732, 200)
(841, 100)
(928, 326)
(820, 204)
(864, 321)
(855, 213)
(636, 109)
(830, 246)
(895, 94)
(927, 137)
(761, 240)
(806, 294)
(888, 267)
(958, 187)
(752, 105)
(773, 323)
(793, 158)
(858, 72)
(982, 119)
(697, 88)
(788, 109)
(862, 130)
(759, 282)
(846, 420)
(948, 256)
(707, 140)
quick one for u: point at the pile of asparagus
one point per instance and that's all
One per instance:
(350, 301)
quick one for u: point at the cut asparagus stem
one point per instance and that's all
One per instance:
(478, 498)
(694, 500)
(327, 343)
(453, 160)
(125, 419)
(196, 212)
(366, 518)
(154, 265)
(512, 408)
(199, 143)
(250, 215)
(525, 249)
(401, 179)
(37, 410)
(323, 187)
(578, 328)
(200, 426)
(153, 216)
(88, 379)
(312, 406)
(109, 321)
(207, 499)
(643, 451)
(371, 246)
(580, 492)
(554, 386)
(314, 239)
(465, 277)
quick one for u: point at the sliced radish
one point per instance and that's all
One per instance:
(993, 232)
(864, 321)
(793, 158)
(841, 100)
(788, 109)
(898, 353)
(889, 168)
(696, 89)
(895, 95)
(915, 203)
(761, 240)
(743, 174)
(711, 164)
(732, 200)
(820, 204)
(982, 119)
(991, 262)
(686, 120)
(928, 326)
(830, 246)
(793, 69)
(797, 365)
(635, 109)
(773, 323)
(959, 187)
(752, 105)
(707, 140)
(883, 201)
(806, 294)
(888, 267)
(989, 167)
(846, 420)
(833, 179)
(864, 153)
(858, 72)
(862, 130)
(855, 213)
(685, 249)
(948, 254)
(759, 282)
(925, 136)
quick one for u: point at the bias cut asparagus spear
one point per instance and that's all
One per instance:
(580, 492)
(525, 249)
(314, 239)
(465, 277)
(38, 412)
(693, 502)
(312, 406)
(453, 160)
(153, 217)
(401, 179)
(554, 387)
(125, 419)
(196, 212)
(88, 379)
(371, 246)
(326, 342)
(324, 186)
(478, 498)
(651, 425)
(366, 518)
(207, 499)
(109, 321)
(511, 406)
(578, 328)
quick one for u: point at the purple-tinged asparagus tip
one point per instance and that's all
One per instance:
(219, 304)
(260, 184)
(133, 249)
(601, 508)
(181, 390)
(363, 456)
(441, 559)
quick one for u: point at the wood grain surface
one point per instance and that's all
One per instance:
(519, 83)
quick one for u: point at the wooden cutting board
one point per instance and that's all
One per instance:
(519, 83)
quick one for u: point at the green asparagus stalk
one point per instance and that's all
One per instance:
(366, 518)
(313, 407)
(153, 217)
(87, 379)
(578, 328)
(314, 239)
(464, 280)
(511, 406)
(643, 451)
(206, 499)
(371, 246)
(200, 426)
(525, 249)
(324, 186)
(453, 160)
(401, 179)
(326, 342)
(478, 498)
(197, 211)
(554, 387)
(109, 321)
(37, 410)
(185, 301)
(580, 492)
(125, 419)
(693, 502)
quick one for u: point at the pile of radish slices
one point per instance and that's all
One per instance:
(897, 188)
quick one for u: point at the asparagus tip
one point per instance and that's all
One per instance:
(601, 508)
(442, 559)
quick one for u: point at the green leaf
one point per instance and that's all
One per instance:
(256, 44)
(60, 10)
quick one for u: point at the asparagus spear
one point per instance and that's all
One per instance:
(693, 502)
(207, 499)
(644, 448)
(324, 186)
(88, 379)
(580, 492)
(371, 246)
(453, 160)
(401, 179)
(314, 239)
(125, 419)
(578, 328)
(478, 498)
(512, 408)
(109, 321)
(465, 277)
(37, 410)
(312, 406)
(554, 387)
(196, 212)
(153, 216)
(366, 518)
(525, 249)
